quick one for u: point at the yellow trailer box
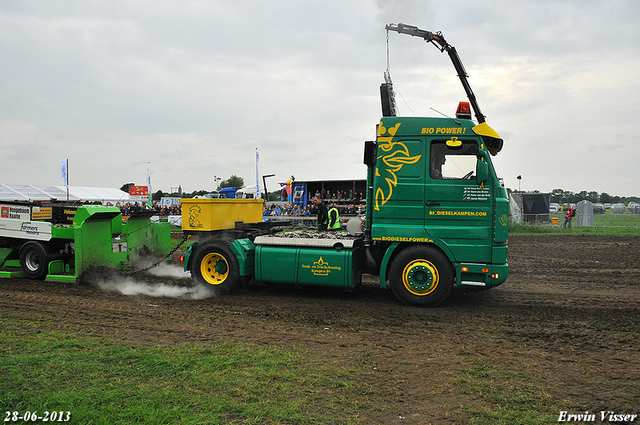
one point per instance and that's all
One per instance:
(216, 214)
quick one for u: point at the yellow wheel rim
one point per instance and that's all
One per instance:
(214, 268)
(420, 277)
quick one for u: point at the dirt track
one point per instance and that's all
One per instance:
(567, 319)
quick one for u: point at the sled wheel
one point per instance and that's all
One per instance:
(421, 276)
(215, 268)
(34, 260)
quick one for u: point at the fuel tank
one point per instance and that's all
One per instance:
(310, 260)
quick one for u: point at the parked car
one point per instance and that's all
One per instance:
(598, 209)
(618, 208)
(633, 207)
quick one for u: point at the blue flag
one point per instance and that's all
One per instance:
(64, 172)
(149, 172)
(257, 176)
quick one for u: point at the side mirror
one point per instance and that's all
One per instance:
(369, 153)
(482, 171)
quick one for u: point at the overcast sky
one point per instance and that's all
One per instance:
(194, 87)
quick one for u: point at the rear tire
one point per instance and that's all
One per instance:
(34, 260)
(421, 276)
(215, 268)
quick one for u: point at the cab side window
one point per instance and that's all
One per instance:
(450, 162)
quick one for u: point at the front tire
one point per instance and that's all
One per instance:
(215, 268)
(421, 276)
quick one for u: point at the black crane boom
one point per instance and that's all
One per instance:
(438, 40)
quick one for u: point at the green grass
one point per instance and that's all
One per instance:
(100, 381)
(604, 224)
(509, 396)
(616, 220)
(103, 382)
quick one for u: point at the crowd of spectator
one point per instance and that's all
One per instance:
(340, 197)
(309, 210)
(169, 210)
(131, 208)
(288, 209)
(345, 203)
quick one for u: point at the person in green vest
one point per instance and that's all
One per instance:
(334, 217)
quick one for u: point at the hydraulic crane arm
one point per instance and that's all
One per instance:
(438, 40)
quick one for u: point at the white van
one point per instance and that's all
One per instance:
(248, 192)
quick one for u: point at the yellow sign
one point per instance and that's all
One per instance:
(42, 213)
(444, 130)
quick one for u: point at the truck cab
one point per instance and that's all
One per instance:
(437, 215)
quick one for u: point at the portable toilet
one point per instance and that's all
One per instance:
(584, 214)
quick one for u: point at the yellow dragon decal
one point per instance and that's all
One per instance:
(395, 155)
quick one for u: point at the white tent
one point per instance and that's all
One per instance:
(515, 211)
(27, 192)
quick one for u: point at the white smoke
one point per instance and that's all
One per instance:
(132, 287)
(165, 269)
(181, 289)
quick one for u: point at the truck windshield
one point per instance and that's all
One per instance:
(455, 163)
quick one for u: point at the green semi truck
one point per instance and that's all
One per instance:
(436, 218)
